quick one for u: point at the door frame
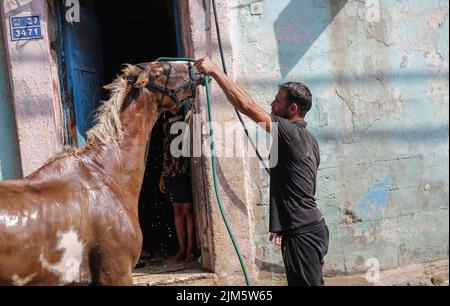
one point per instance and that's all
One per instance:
(67, 102)
(69, 120)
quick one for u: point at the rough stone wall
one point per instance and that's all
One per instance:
(378, 71)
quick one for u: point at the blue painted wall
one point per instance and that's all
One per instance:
(378, 71)
(9, 153)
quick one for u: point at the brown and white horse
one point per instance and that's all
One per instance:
(75, 220)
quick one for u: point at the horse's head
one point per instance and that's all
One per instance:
(172, 83)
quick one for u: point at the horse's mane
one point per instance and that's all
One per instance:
(107, 127)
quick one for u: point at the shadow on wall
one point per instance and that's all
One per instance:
(298, 27)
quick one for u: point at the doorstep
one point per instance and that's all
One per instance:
(163, 273)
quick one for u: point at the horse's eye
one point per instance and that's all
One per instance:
(131, 79)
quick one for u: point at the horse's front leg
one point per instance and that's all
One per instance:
(120, 280)
(116, 273)
(113, 267)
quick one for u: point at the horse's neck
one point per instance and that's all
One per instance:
(126, 164)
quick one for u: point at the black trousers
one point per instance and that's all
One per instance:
(303, 252)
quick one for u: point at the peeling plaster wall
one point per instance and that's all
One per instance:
(378, 71)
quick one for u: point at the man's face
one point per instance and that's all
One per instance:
(280, 106)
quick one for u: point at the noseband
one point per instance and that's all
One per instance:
(171, 92)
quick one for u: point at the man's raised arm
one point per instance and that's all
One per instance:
(237, 96)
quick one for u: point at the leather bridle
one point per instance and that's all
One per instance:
(171, 92)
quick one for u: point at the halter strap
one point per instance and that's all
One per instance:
(171, 92)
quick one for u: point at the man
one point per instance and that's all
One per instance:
(296, 223)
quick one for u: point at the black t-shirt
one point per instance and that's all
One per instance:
(293, 176)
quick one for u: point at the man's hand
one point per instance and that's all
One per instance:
(278, 238)
(206, 66)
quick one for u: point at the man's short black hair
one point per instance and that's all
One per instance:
(299, 94)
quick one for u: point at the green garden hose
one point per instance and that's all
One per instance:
(214, 166)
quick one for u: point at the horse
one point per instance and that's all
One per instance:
(75, 221)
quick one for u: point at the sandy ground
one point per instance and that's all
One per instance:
(162, 273)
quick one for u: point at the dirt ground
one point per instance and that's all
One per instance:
(162, 273)
(426, 274)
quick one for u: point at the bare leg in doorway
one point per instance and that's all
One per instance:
(189, 215)
(180, 226)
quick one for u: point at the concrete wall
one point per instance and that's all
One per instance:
(34, 82)
(10, 167)
(378, 71)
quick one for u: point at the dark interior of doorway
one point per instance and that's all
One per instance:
(136, 31)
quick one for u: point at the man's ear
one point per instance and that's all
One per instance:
(294, 108)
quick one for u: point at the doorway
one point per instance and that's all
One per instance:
(108, 35)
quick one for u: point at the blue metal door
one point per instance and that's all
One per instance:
(84, 72)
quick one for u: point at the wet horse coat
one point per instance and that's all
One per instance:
(75, 220)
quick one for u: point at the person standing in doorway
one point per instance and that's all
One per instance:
(296, 224)
(175, 183)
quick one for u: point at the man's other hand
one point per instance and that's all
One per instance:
(277, 238)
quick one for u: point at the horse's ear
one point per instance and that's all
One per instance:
(109, 86)
(141, 81)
